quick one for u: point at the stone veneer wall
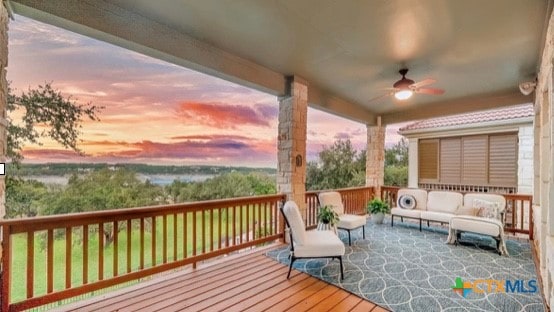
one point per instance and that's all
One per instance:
(543, 190)
(3, 100)
(293, 112)
(525, 160)
(375, 162)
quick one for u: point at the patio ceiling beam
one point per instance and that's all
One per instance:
(110, 23)
(326, 102)
(458, 106)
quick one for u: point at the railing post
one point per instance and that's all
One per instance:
(6, 261)
(282, 222)
(531, 225)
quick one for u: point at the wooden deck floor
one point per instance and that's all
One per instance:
(250, 282)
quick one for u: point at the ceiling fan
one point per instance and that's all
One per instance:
(404, 88)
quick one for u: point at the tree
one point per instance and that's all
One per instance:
(396, 164)
(24, 197)
(101, 190)
(339, 165)
(46, 114)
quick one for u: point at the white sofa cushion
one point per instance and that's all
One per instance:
(295, 222)
(419, 195)
(348, 221)
(332, 199)
(321, 244)
(437, 216)
(442, 201)
(413, 213)
(478, 225)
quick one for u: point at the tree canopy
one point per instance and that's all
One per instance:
(46, 114)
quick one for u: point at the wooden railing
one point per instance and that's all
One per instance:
(469, 188)
(355, 200)
(518, 215)
(85, 252)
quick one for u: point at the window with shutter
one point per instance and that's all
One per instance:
(474, 160)
(450, 158)
(503, 160)
(428, 154)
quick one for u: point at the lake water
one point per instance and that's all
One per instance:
(158, 179)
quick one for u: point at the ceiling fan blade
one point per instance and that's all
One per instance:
(422, 83)
(380, 97)
(432, 91)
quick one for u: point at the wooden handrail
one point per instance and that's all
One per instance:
(204, 230)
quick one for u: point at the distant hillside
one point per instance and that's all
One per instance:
(57, 169)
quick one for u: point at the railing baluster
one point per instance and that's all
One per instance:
(85, 254)
(30, 263)
(220, 236)
(164, 239)
(235, 226)
(185, 234)
(129, 224)
(194, 233)
(115, 248)
(203, 231)
(68, 257)
(100, 251)
(247, 222)
(153, 241)
(259, 220)
(212, 229)
(174, 237)
(141, 243)
(50, 261)
(227, 221)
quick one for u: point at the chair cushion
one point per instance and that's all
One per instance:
(466, 211)
(407, 201)
(478, 225)
(349, 222)
(442, 201)
(415, 213)
(419, 195)
(320, 244)
(332, 199)
(436, 216)
(295, 222)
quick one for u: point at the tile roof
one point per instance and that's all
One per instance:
(504, 113)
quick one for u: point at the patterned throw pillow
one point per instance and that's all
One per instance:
(407, 201)
(486, 209)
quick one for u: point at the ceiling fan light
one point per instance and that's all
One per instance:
(403, 94)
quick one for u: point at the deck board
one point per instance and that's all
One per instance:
(251, 282)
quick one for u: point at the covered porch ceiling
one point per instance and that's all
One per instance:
(348, 51)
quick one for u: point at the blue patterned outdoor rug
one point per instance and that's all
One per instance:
(403, 269)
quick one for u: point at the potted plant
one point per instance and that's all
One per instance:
(377, 208)
(327, 218)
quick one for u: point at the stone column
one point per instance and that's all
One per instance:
(413, 165)
(375, 162)
(3, 100)
(291, 143)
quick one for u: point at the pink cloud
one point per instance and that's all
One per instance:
(220, 115)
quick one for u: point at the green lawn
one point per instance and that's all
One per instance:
(19, 249)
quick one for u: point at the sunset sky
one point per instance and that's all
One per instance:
(156, 112)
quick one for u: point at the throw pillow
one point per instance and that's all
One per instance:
(486, 209)
(407, 201)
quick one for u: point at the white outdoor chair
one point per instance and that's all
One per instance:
(310, 244)
(346, 221)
